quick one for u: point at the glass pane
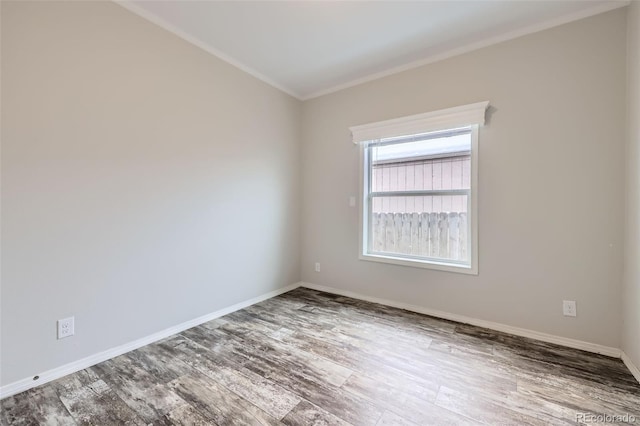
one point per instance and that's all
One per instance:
(423, 226)
(443, 163)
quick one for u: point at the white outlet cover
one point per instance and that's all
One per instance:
(66, 327)
(317, 267)
(352, 201)
(569, 308)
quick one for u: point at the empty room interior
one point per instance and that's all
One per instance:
(320, 212)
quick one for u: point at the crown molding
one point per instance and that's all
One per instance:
(476, 45)
(143, 13)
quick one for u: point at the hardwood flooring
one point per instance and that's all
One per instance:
(311, 358)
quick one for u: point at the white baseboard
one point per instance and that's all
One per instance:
(523, 332)
(630, 365)
(81, 364)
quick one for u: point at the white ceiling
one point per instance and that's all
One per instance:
(309, 48)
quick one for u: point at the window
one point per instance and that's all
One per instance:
(419, 189)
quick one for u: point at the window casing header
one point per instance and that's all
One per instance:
(460, 116)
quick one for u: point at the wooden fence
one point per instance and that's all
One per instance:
(440, 235)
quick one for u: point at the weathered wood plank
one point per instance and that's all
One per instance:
(482, 410)
(262, 392)
(306, 413)
(39, 406)
(184, 415)
(140, 390)
(219, 403)
(97, 404)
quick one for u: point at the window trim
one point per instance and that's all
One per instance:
(468, 116)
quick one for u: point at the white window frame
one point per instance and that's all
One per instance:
(469, 116)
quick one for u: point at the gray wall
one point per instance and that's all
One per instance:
(551, 181)
(144, 182)
(631, 294)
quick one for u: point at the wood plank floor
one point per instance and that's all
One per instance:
(311, 358)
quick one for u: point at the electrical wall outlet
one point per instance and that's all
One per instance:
(317, 266)
(569, 308)
(352, 201)
(66, 327)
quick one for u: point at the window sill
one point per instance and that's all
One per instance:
(425, 264)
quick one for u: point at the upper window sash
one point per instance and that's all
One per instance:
(421, 137)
